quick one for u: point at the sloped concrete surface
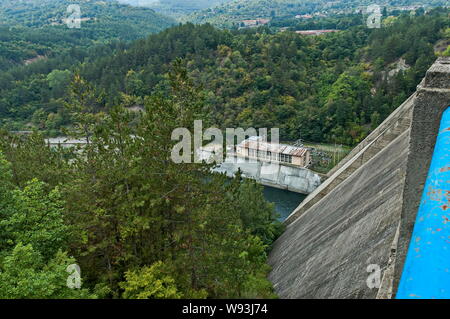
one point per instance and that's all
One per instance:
(365, 214)
(325, 253)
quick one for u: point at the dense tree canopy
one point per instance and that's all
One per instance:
(138, 224)
(33, 241)
(231, 13)
(249, 78)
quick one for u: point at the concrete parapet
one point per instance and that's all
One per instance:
(364, 213)
(433, 98)
(382, 136)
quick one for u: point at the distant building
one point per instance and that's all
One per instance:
(136, 108)
(409, 8)
(255, 148)
(254, 23)
(65, 142)
(303, 16)
(315, 32)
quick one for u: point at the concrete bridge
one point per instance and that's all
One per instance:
(350, 238)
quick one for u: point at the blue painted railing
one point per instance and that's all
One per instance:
(426, 273)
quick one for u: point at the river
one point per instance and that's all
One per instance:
(285, 201)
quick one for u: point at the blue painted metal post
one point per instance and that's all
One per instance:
(426, 273)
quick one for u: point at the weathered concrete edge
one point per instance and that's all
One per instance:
(345, 181)
(437, 75)
(386, 289)
(429, 105)
(311, 199)
(283, 187)
(276, 262)
(314, 198)
(388, 122)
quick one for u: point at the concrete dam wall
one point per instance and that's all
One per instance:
(295, 179)
(359, 223)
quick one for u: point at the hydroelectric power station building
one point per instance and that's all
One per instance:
(255, 148)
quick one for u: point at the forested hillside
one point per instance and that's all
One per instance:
(332, 88)
(118, 17)
(32, 29)
(35, 40)
(175, 8)
(139, 226)
(231, 14)
(327, 89)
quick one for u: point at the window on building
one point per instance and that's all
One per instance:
(286, 158)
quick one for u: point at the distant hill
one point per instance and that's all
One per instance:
(176, 8)
(230, 14)
(135, 21)
(326, 89)
(33, 29)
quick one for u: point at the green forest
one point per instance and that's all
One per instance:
(41, 32)
(138, 225)
(231, 13)
(332, 88)
(176, 8)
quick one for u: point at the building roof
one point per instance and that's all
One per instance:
(256, 21)
(255, 144)
(315, 32)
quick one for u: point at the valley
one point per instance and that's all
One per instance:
(115, 208)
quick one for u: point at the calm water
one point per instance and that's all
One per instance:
(285, 201)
